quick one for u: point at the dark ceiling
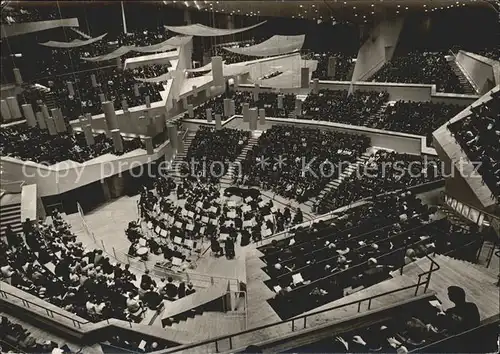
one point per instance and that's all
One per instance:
(328, 10)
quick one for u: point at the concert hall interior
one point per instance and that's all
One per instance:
(250, 176)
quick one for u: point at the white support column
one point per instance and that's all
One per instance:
(252, 124)
(117, 140)
(232, 108)
(148, 142)
(41, 120)
(190, 110)
(256, 91)
(218, 71)
(246, 108)
(17, 77)
(218, 122)
(209, 115)
(110, 116)
(29, 114)
(280, 101)
(262, 116)
(298, 108)
(89, 137)
(172, 136)
(51, 125)
(332, 63)
(71, 89)
(227, 107)
(15, 111)
(315, 86)
(93, 80)
(148, 101)
(6, 116)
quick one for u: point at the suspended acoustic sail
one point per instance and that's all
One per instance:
(166, 45)
(276, 45)
(205, 31)
(74, 43)
(114, 54)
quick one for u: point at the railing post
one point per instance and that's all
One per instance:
(230, 342)
(359, 306)
(216, 346)
(293, 325)
(305, 321)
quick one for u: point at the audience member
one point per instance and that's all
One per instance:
(421, 68)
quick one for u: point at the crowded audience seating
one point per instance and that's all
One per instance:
(479, 134)
(419, 325)
(421, 68)
(297, 163)
(340, 107)
(37, 145)
(491, 53)
(420, 118)
(211, 151)
(50, 264)
(114, 83)
(14, 338)
(13, 13)
(267, 100)
(355, 250)
(384, 172)
(343, 66)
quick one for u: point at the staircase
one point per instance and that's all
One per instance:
(375, 119)
(332, 185)
(50, 99)
(228, 178)
(211, 324)
(453, 217)
(175, 168)
(468, 89)
(10, 215)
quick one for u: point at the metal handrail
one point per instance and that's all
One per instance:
(434, 267)
(50, 313)
(445, 195)
(458, 335)
(304, 317)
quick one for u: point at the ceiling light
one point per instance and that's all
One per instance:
(397, 12)
(373, 5)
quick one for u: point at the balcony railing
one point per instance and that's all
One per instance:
(300, 322)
